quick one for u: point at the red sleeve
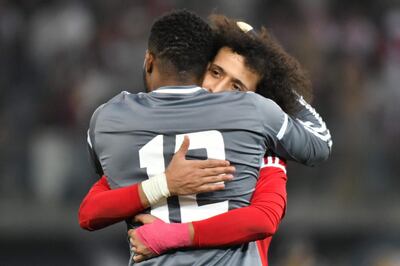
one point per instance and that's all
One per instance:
(257, 221)
(102, 206)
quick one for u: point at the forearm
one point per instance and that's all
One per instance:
(237, 226)
(257, 221)
(102, 206)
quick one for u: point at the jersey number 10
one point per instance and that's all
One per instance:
(152, 158)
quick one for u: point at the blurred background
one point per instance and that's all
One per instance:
(60, 59)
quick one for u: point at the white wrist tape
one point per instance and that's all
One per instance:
(156, 188)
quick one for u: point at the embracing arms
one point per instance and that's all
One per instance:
(255, 222)
(102, 206)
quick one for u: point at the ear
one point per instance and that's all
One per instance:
(148, 61)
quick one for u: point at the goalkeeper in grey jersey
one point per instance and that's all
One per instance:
(146, 127)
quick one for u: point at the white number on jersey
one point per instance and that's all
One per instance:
(152, 158)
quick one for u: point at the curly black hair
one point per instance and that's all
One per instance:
(282, 77)
(183, 44)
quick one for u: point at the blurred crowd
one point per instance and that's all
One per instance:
(59, 60)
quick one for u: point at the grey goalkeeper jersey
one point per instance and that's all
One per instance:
(134, 136)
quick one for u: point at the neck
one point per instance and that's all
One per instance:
(170, 81)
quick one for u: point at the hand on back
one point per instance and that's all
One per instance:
(186, 177)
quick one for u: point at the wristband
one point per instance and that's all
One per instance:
(156, 188)
(160, 236)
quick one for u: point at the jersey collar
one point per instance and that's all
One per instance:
(179, 89)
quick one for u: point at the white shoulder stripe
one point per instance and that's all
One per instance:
(273, 162)
(276, 165)
(283, 128)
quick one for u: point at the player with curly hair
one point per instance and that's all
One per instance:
(160, 70)
(260, 220)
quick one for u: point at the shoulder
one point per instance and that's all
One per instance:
(267, 109)
(119, 102)
(113, 109)
(261, 102)
(122, 98)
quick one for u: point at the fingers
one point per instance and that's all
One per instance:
(211, 187)
(139, 258)
(184, 146)
(218, 171)
(214, 183)
(144, 218)
(138, 218)
(216, 179)
(133, 248)
(211, 163)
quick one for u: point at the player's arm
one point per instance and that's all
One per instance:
(102, 206)
(303, 138)
(257, 221)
